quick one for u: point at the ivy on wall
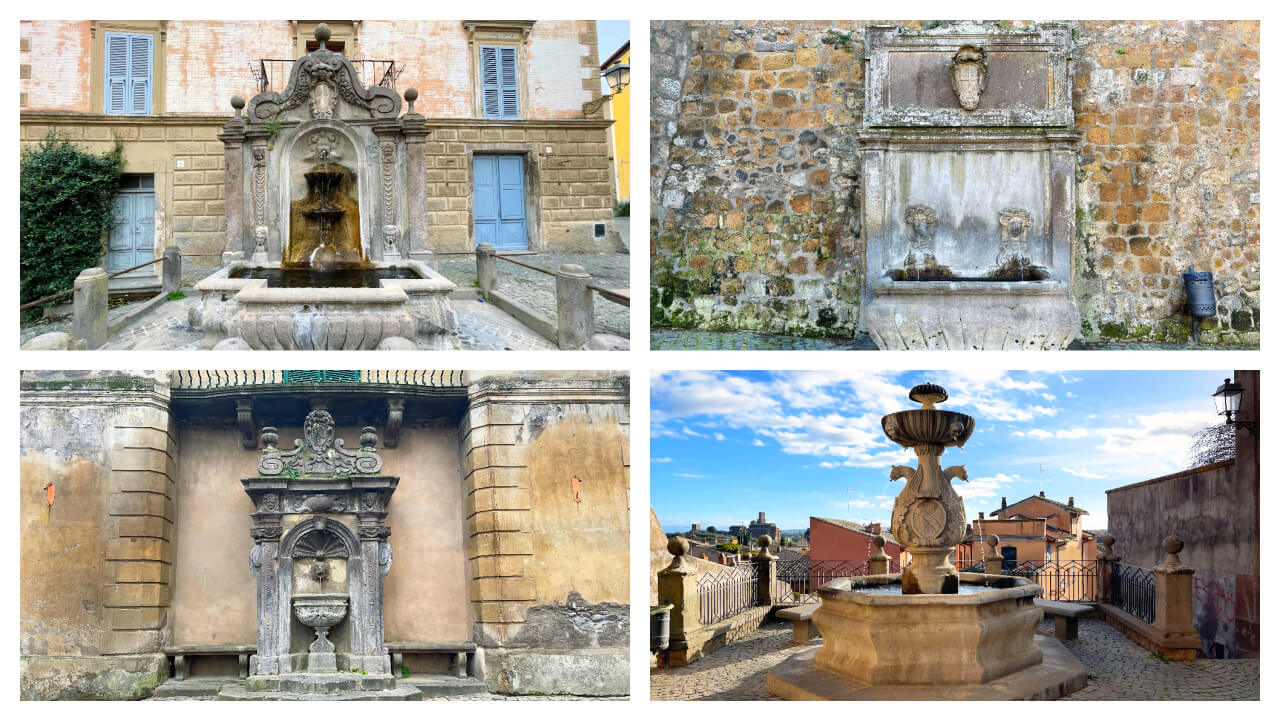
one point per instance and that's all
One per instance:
(67, 197)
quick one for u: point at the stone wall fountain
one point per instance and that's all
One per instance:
(326, 219)
(928, 633)
(968, 159)
(320, 554)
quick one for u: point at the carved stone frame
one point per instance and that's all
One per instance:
(498, 32)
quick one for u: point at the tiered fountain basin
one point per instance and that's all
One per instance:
(971, 314)
(327, 312)
(880, 644)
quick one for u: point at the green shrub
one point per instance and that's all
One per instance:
(622, 209)
(67, 198)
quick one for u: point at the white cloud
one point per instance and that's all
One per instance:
(1081, 472)
(688, 475)
(719, 436)
(986, 487)
(660, 460)
(1037, 433)
(757, 442)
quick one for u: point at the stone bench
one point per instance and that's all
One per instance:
(801, 618)
(1066, 617)
(462, 651)
(179, 655)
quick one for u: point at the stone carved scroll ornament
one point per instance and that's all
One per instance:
(318, 453)
(323, 67)
(968, 70)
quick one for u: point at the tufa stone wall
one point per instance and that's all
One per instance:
(754, 176)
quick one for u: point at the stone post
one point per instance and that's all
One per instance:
(574, 313)
(1104, 568)
(879, 562)
(172, 267)
(1178, 636)
(678, 586)
(414, 127)
(89, 320)
(486, 267)
(232, 138)
(766, 572)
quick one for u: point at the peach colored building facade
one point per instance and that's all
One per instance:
(192, 69)
(832, 539)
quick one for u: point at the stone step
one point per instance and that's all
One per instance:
(403, 691)
(319, 683)
(198, 687)
(436, 685)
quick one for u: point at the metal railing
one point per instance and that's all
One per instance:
(724, 593)
(798, 580)
(1058, 580)
(209, 379)
(271, 74)
(69, 291)
(1133, 590)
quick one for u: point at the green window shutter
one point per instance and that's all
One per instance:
(140, 74)
(116, 88)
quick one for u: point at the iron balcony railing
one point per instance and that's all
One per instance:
(798, 580)
(1133, 590)
(1059, 580)
(207, 379)
(726, 592)
(274, 74)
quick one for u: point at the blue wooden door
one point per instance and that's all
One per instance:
(499, 201)
(133, 232)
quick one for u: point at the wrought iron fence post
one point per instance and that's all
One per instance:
(1173, 600)
(879, 562)
(766, 572)
(678, 586)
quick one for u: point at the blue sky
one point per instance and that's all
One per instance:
(610, 35)
(725, 445)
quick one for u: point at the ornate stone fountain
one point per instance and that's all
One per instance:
(928, 632)
(968, 150)
(326, 219)
(320, 554)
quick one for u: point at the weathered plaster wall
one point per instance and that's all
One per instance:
(564, 68)
(54, 65)
(436, 62)
(755, 185)
(207, 61)
(214, 595)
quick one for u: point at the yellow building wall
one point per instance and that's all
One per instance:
(620, 134)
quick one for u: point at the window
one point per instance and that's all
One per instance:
(128, 83)
(499, 81)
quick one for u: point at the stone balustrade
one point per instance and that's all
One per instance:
(1171, 634)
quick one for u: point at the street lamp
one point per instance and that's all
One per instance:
(1227, 400)
(618, 77)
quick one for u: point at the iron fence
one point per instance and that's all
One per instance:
(274, 74)
(1133, 590)
(798, 580)
(726, 592)
(1058, 580)
(202, 379)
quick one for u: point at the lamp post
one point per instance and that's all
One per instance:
(1227, 400)
(618, 76)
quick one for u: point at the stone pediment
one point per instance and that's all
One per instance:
(318, 453)
(324, 85)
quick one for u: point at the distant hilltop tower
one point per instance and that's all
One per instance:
(761, 527)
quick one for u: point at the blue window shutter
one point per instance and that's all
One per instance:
(490, 85)
(510, 85)
(140, 74)
(116, 90)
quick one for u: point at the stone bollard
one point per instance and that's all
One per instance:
(766, 572)
(486, 268)
(879, 561)
(1105, 562)
(678, 586)
(1179, 638)
(172, 270)
(575, 323)
(89, 319)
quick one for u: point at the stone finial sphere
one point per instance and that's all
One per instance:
(323, 33)
(1108, 540)
(237, 102)
(879, 540)
(993, 540)
(1172, 544)
(411, 94)
(677, 546)
(764, 541)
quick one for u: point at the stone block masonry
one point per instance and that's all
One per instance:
(755, 183)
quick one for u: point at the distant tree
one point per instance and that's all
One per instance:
(1212, 444)
(786, 541)
(806, 534)
(711, 529)
(728, 547)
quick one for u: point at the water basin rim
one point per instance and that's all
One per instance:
(834, 592)
(319, 597)
(968, 287)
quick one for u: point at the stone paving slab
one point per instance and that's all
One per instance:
(1118, 670)
(538, 290)
(481, 326)
(674, 339)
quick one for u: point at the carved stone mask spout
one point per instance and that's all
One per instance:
(320, 571)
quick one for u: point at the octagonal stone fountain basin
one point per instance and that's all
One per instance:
(416, 307)
(971, 315)
(878, 636)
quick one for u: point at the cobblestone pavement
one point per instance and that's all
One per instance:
(166, 327)
(500, 697)
(538, 290)
(483, 327)
(672, 339)
(1118, 670)
(114, 313)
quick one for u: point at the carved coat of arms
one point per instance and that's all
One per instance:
(968, 68)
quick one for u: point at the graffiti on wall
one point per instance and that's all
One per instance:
(1214, 615)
